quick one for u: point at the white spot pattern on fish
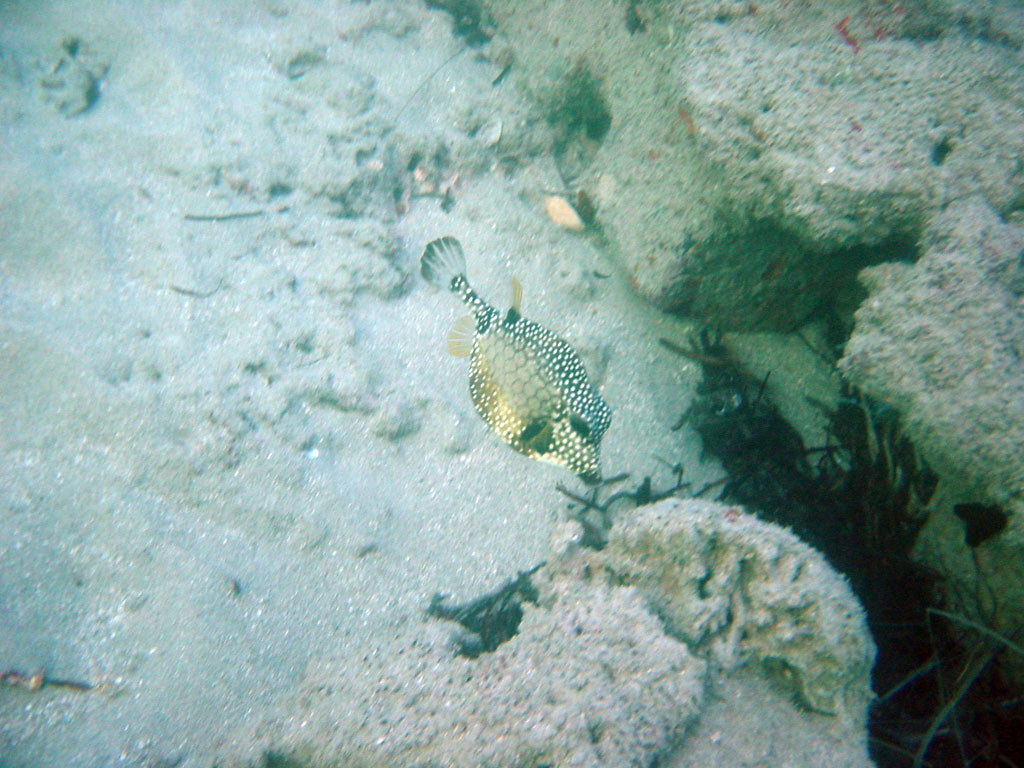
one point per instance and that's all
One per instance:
(528, 384)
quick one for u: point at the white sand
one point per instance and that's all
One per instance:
(228, 447)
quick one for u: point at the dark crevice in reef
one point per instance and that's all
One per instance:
(981, 521)
(580, 118)
(858, 498)
(861, 499)
(839, 284)
(581, 107)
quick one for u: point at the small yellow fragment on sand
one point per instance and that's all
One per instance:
(562, 213)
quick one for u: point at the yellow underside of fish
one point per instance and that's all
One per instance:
(515, 395)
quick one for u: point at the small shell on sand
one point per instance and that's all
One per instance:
(490, 134)
(562, 213)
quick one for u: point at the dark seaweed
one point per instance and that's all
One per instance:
(861, 499)
(597, 516)
(981, 521)
(493, 618)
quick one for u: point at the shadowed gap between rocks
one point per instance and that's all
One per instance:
(860, 499)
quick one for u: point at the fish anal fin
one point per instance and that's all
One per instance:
(517, 295)
(460, 340)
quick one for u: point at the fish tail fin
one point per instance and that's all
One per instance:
(443, 261)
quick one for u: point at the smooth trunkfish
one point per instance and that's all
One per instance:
(527, 383)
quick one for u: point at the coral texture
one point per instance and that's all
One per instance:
(741, 591)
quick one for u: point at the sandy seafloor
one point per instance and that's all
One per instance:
(202, 493)
(228, 447)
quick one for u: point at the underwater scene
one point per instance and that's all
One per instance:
(511, 384)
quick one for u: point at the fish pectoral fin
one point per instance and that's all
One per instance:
(538, 435)
(460, 340)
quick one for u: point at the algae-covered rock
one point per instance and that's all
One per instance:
(747, 161)
(745, 592)
(589, 680)
(942, 341)
(611, 665)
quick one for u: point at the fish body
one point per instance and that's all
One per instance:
(527, 383)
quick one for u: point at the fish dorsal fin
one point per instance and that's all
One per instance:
(517, 295)
(460, 340)
(512, 317)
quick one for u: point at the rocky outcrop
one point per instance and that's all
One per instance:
(612, 664)
(747, 161)
(942, 341)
